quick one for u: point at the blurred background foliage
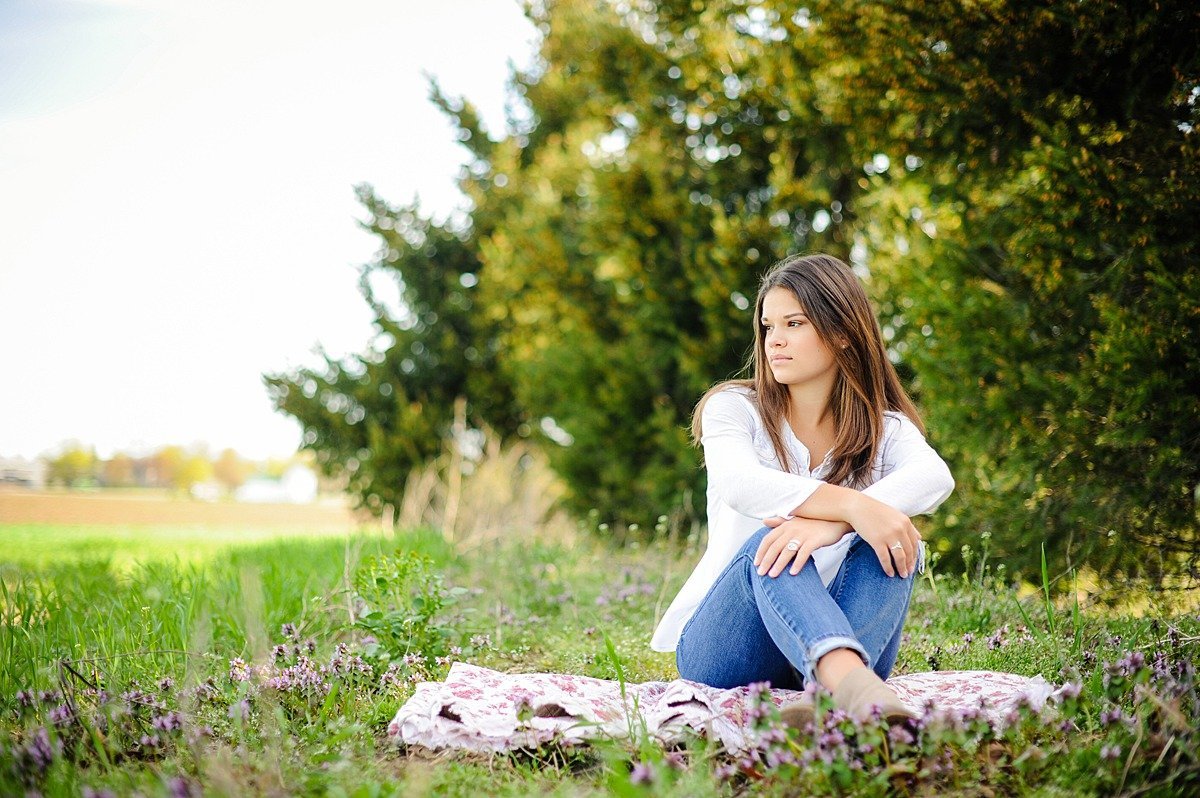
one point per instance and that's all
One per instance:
(1017, 183)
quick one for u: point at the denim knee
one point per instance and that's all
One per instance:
(750, 547)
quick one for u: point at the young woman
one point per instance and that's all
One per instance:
(822, 457)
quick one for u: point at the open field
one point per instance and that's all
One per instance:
(126, 675)
(40, 528)
(159, 508)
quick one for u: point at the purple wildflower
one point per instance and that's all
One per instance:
(197, 733)
(898, 735)
(239, 710)
(180, 787)
(40, 752)
(1110, 752)
(641, 774)
(172, 721)
(206, 691)
(239, 671)
(61, 715)
(390, 677)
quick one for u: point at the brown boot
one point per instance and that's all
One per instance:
(861, 690)
(799, 713)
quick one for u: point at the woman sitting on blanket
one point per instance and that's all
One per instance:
(820, 456)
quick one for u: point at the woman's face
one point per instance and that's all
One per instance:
(794, 352)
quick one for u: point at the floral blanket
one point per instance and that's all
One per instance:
(483, 710)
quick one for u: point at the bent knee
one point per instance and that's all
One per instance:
(754, 541)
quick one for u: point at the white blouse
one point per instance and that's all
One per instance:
(746, 484)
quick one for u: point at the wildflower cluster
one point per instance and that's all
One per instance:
(89, 722)
(631, 584)
(1132, 721)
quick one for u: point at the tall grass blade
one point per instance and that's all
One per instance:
(1046, 593)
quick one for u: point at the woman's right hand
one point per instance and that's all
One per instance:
(805, 535)
(883, 527)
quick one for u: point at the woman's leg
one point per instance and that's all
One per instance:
(756, 624)
(874, 604)
(725, 643)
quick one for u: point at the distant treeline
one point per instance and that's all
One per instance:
(1018, 183)
(173, 467)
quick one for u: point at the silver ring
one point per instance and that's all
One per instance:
(792, 545)
(896, 545)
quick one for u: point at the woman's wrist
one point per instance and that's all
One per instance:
(833, 503)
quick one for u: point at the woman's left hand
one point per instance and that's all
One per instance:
(794, 540)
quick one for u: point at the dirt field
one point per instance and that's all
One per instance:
(65, 507)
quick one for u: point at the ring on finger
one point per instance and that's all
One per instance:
(792, 545)
(896, 545)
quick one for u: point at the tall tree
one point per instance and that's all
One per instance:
(1017, 183)
(1037, 256)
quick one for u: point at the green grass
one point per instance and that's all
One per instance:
(48, 544)
(177, 604)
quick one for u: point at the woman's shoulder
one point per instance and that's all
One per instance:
(731, 401)
(730, 396)
(898, 425)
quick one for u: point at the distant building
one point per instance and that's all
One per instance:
(209, 491)
(298, 485)
(19, 471)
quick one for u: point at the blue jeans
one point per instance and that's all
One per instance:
(752, 628)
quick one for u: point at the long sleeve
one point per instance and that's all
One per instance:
(914, 479)
(728, 422)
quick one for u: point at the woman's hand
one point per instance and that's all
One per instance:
(795, 540)
(890, 532)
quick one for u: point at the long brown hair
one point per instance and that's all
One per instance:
(866, 384)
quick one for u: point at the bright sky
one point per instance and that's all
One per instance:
(177, 212)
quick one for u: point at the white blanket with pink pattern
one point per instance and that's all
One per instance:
(483, 710)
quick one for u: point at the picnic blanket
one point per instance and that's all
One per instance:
(478, 709)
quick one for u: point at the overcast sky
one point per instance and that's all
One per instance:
(176, 198)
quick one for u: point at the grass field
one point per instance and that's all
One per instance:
(121, 651)
(124, 527)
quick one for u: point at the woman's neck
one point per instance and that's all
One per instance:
(809, 406)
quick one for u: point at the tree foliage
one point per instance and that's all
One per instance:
(1016, 182)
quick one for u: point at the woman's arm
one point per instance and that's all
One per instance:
(728, 421)
(914, 479)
